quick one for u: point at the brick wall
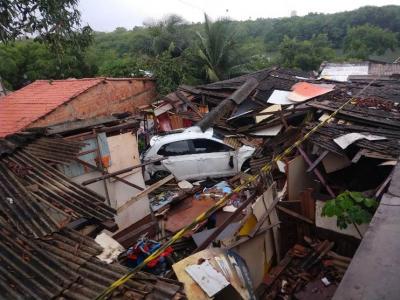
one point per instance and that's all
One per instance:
(112, 96)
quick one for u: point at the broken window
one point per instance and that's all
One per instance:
(208, 146)
(175, 148)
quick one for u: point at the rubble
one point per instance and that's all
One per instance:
(255, 232)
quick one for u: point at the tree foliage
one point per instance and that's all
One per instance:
(26, 61)
(218, 50)
(306, 55)
(350, 208)
(365, 40)
(49, 20)
(177, 52)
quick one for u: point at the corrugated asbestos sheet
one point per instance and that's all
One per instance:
(324, 136)
(269, 80)
(39, 258)
(64, 266)
(31, 191)
(55, 149)
(382, 69)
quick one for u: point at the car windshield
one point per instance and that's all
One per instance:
(192, 146)
(218, 135)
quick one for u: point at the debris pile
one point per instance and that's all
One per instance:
(237, 179)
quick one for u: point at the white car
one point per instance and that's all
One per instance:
(193, 154)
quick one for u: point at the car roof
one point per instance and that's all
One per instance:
(189, 133)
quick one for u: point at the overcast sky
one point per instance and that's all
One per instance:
(106, 15)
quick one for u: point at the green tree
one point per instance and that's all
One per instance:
(170, 71)
(366, 40)
(123, 67)
(218, 50)
(306, 55)
(168, 34)
(53, 21)
(25, 61)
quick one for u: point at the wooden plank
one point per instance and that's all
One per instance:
(225, 223)
(294, 214)
(297, 178)
(269, 196)
(317, 161)
(114, 176)
(86, 182)
(145, 192)
(264, 217)
(183, 98)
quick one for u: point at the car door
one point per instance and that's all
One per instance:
(215, 159)
(181, 161)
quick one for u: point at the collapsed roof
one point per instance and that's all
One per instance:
(41, 256)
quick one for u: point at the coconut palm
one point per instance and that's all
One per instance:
(218, 50)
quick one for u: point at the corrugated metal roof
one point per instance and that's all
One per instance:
(64, 265)
(22, 107)
(384, 69)
(341, 71)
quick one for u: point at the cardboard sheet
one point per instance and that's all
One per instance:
(272, 131)
(334, 162)
(269, 109)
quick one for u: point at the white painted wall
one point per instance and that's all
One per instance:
(124, 153)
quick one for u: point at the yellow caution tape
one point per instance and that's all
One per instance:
(219, 204)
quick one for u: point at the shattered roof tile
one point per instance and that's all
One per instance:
(64, 266)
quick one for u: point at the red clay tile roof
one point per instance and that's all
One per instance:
(21, 108)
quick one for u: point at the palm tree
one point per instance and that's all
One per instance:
(218, 50)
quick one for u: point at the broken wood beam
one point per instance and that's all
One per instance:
(264, 217)
(229, 220)
(294, 214)
(316, 172)
(246, 238)
(113, 174)
(189, 103)
(147, 191)
(317, 161)
(228, 104)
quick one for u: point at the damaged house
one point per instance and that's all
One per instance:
(297, 215)
(47, 251)
(315, 140)
(88, 111)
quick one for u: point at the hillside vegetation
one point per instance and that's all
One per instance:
(177, 52)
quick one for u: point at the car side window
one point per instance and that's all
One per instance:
(175, 148)
(209, 146)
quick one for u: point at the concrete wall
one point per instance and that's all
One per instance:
(374, 270)
(111, 96)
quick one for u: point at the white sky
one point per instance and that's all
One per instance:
(106, 15)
